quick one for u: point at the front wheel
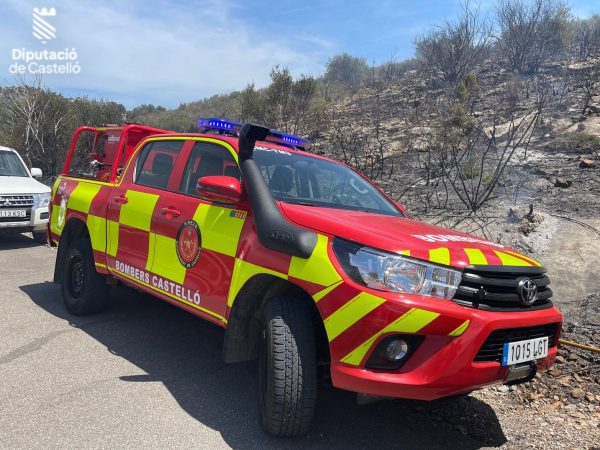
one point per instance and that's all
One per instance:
(287, 367)
(84, 290)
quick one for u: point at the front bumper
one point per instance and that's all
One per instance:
(37, 222)
(443, 365)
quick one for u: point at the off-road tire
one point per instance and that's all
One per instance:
(287, 367)
(84, 290)
(39, 237)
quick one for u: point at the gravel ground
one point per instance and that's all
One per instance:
(558, 409)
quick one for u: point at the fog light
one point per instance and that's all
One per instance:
(393, 351)
(396, 350)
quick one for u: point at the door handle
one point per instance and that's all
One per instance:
(172, 212)
(121, 199)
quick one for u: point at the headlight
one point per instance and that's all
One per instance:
(395, 273)
(42, 200)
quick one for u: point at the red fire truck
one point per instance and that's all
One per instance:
(311, 269)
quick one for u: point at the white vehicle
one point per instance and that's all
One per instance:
(23, 200)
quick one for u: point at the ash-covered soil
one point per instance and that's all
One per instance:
(560, 408)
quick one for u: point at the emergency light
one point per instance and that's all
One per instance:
(277, 137)
(218, 124)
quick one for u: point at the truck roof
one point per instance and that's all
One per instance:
(233, 141)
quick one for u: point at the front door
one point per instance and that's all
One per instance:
(195, 241)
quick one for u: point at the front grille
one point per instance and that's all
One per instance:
(494, 288)
(492, 348)
(16, 202)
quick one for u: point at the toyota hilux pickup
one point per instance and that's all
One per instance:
(23, 200)
(311, 269)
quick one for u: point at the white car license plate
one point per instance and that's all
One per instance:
(13, 213)
(523, 351)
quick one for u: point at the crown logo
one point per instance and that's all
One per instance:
(42, 29)
(45, 11)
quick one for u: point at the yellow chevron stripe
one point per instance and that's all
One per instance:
(510, 260)
(440, 256)
(460, 329)
(476, 256)
(319, 295)
(242, 272)
(317, 268)
(350, 313)
(411, 322)
(531, 261)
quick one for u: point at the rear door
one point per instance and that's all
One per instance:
(195, 241)
(132, 207)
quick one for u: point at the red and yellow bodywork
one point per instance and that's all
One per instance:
(132, 242)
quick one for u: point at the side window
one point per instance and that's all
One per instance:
(207, 159)
(155, 163)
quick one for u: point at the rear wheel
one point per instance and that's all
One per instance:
(39, 237)
(287, 367)
(84, 290)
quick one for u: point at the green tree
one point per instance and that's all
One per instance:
(346, 69)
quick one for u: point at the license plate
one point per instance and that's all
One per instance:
(13, 213)
(523, 351)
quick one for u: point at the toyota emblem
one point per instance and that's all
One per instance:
(528, 291)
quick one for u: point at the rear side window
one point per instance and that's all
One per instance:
(155, 163)
(207, 159)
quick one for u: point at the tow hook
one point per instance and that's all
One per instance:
(521, 373)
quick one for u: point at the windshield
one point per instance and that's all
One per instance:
(11, 165)
(304, 180)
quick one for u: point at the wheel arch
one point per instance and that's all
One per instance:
(243, 326)
(75, 228)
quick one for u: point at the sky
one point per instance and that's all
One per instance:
(167, 53)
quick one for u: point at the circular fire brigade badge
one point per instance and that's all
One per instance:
(189, 243)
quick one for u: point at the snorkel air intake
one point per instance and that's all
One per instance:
(274, 231)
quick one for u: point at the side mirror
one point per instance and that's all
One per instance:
(36, 173)
(220, 189)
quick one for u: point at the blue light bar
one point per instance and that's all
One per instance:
(287, 140)
(276, 137)
(211, 123)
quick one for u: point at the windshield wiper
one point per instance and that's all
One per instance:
(300, 202)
